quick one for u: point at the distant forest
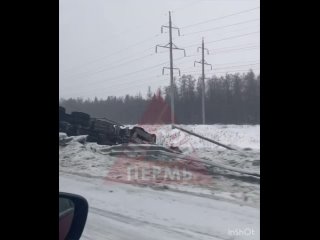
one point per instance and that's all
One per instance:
(229, 99)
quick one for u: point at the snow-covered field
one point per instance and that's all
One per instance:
(225, 207)
(242, 136)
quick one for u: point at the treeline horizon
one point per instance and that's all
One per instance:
(230, 99)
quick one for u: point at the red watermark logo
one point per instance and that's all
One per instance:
(147, 166)
(142, 170)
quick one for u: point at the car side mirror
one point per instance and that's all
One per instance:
(73, 211)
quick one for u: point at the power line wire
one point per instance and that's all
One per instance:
(127, 74)
(90, 73)
(215, 51)
(155, 78)
(147, 39)
(183, 72)
(234, 66)
(237, 49)
(218, 18)
(225, 72)
(225, 26)
(116, 52)
(222, 39)
(152, 54)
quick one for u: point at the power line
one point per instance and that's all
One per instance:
(142, 81)
(237, 49)
(122, 63)
(235, 66)
(243, 65)
(87, 73)
(116, 52)
(126, 83)
(145, 69)
(155, 78)
(90, 73)
(225, 26)
(147, 39)
(218, 18)
(236, 46)
(218, 51)
(222, 39)
(127, 74)
(223, 64)
(182, 58)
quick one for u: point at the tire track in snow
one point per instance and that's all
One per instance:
(157, 188)
(138, 222)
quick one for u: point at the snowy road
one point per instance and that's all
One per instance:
(123, 211)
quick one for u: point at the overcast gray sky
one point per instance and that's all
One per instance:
(107, 47)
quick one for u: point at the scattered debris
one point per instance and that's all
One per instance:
(100, 130)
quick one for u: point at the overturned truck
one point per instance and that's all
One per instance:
(101, 130)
